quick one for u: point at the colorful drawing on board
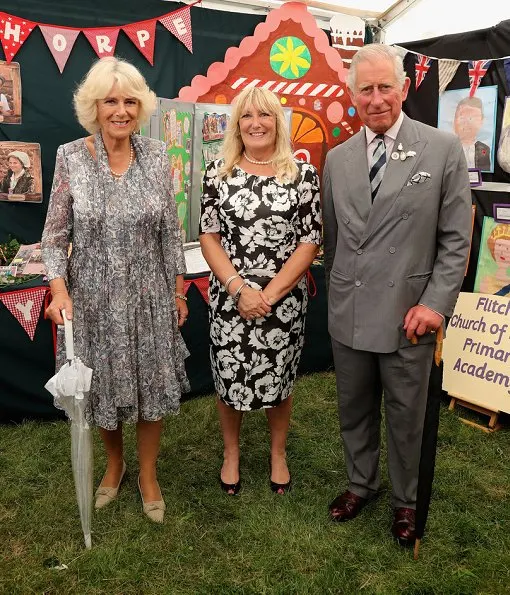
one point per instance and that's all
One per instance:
(504, 139)
(175, 131)
(493, 270)
(473, 120)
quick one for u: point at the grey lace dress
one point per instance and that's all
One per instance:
(260, 221)
(126, 253)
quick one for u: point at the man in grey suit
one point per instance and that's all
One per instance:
(397, 222)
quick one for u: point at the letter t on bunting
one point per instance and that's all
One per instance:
(178, 23)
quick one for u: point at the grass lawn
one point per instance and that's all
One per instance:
(258, 542)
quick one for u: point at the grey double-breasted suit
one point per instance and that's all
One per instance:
(408, 248)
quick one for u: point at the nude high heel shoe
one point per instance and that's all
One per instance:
(106, 495)
(154, 510)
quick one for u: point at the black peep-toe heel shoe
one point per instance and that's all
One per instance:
(232, 489)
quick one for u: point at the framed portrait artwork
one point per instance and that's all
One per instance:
(10, 93)
(473, 120)
(20, 172)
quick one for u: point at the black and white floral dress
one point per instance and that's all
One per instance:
(261, 221)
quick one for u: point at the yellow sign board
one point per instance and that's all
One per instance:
(476, 351)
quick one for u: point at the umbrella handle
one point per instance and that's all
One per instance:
(68, 333)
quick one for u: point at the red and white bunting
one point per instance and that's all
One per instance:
(143, 35)
(103, 40)
(421, 68)
(179, 24)
(286, 88)
(477, 70)
(60, 42)
(25, 306)
(14, 31)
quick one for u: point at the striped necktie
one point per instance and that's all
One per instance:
(378, 165)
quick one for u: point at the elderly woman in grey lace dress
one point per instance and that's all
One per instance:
(122, 282)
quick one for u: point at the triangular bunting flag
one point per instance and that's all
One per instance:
(143, 35)
(477, 70)
(60, 41)
(201, 283)
(447, 70)
(103, 40)
(14, 31)
(179, 24)
(25, 306)
(421, 68)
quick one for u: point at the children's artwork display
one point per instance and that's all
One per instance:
(473, 120)
(20, 172)
(493, 270)
(173, 124)
(504, 139)
(10, 93)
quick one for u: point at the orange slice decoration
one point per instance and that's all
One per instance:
(305, 129)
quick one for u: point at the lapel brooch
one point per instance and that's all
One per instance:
(401, 154)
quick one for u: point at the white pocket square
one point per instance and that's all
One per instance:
(419, 178)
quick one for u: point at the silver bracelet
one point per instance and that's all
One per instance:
(237, 294)
(229, 281)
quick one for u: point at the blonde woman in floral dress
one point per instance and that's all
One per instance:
(260, 231)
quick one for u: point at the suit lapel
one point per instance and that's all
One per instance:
(356, 167)
(395, 177)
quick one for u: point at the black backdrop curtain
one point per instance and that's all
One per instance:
(48, 117)
(422, 104)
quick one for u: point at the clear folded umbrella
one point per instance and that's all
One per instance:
(70, 387)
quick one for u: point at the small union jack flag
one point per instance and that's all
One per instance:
(477, 70)
(421, 68)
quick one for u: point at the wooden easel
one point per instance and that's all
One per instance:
(492, 426)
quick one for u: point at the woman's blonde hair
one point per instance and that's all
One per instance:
(98, 82)
(283, 160)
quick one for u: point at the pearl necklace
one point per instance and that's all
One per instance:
(131, 157)
(257, 162)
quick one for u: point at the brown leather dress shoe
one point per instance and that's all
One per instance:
(403, 528)
(346, 507)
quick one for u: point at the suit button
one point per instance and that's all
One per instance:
(391, 284)
(392, 250)
(358, 283)
(359, 251)
(405, 216)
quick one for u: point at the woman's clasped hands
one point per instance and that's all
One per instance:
(253, 303)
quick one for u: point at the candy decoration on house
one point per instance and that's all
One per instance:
(477, 70)
(347, 35)
(421, 69)
(291, 56)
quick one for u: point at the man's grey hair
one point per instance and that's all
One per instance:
(376, 51)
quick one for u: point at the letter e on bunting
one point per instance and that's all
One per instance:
(103, 40)
(60, 41)
(179, 24)
(25, 306)
(477, 70)
(421, 68)
(14, 31)
(143, 34)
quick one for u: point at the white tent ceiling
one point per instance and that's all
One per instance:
(400, 20)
